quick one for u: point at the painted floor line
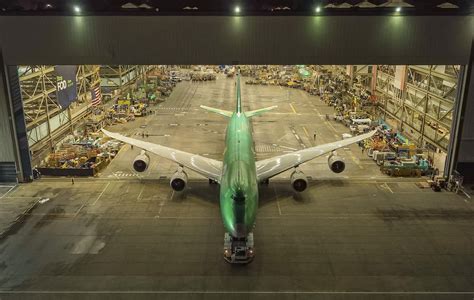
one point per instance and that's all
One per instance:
(241, 292)
(140, 194)
(292, 108)
(100, 195)
(4, 195)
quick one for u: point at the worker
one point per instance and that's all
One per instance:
(36, 173)
(314, 136)
(72, 180)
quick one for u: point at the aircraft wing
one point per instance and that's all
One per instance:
(270, 167)
(207, 167)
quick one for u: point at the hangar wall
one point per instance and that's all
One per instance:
(8, 162)
(465, 159)
(6, 149)
(344, 40)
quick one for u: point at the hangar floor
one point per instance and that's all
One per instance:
(367, 236)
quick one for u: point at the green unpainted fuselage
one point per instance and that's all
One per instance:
(238, 186)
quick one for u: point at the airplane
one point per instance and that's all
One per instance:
(239, 174)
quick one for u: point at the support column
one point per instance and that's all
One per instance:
(461, 154)
(9, 156)
(18, 119)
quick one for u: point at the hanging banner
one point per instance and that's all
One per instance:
(66, 85)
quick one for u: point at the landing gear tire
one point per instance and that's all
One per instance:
(212, 181)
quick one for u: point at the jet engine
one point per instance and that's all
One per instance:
(141, 162)
(336, 163)
(179, 180)
(298, 181)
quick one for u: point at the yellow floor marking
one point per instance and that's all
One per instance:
(291, 105)
(388, 188)
(330, 125)
(306, 131)
(356, 161)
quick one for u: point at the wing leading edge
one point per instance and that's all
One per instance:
(207, 167)
(270, 167)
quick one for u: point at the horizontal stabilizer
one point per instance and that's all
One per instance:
(259, 111)
(218, 111)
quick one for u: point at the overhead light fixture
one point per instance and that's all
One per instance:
(344, 5)
(398, 9)
(396, 3)
(145, 6)
(447, 5)
(318, 9)
(77, 9)
(237, 9)
(129, 5)
(365, 4)
(48, 5)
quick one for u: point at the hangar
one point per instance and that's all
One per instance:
(324, 71)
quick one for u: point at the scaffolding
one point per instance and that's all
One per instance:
(419, 100)
(46, 121)
(118, 79)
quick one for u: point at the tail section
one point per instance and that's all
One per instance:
(259, 111)
(238, 108)
(225, 113)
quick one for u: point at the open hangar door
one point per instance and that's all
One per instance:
(65, 107)
(249, 32)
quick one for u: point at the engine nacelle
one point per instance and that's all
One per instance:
(299, 182)
(141, 162)
(178, 181)
(336, 163)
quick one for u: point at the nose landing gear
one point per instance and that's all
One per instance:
(238, 250)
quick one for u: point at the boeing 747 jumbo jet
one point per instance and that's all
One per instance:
(238, 174)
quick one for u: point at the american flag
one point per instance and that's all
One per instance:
(96, 96)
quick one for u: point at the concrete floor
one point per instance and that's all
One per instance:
(363, 237)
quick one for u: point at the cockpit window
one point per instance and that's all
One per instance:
(238, 197)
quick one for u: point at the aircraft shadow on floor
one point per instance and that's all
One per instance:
(276, 190)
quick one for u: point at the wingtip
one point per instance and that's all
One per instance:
(107, 133)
